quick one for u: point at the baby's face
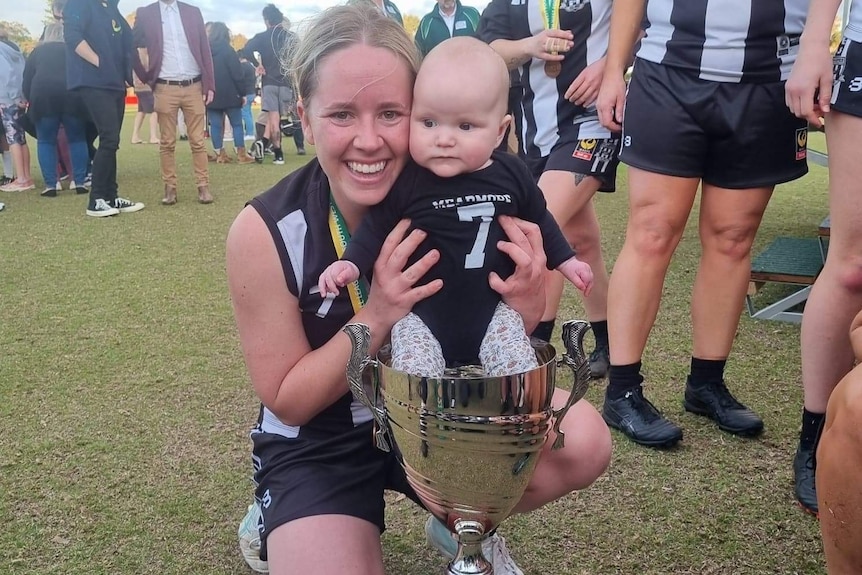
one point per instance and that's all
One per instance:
(454, 127)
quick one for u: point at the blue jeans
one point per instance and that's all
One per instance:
(46, 134)
(247, 117)
(216, 120)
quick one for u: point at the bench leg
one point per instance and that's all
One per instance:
(778, 310)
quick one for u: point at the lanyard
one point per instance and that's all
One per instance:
(340, 236)
(550, 13)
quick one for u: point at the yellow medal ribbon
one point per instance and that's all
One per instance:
(340, 236)
(550, 13)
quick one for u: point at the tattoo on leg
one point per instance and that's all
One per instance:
(580, 178)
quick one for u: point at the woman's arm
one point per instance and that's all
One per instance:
(626, 21)
(812, 73)
(292, 380)
(549, 45)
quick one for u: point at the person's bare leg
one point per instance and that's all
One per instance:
(659, 206)
(136, 128)
(274, 128)
(325, 544)
(839, 471)
(728, 224)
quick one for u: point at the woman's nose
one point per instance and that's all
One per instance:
(367, 136)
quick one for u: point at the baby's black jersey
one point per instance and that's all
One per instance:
(460, 216)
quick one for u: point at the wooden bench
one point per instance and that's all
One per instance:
(786, 260)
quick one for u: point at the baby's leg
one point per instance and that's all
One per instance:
(415, 350)
(506, 348)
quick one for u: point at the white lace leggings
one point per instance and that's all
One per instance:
(505, 348)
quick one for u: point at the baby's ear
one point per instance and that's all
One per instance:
(504, 123)
(856, 336)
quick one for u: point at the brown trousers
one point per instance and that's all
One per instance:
(168, 101)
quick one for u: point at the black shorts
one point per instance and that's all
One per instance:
(146, 101)
(339, 473)
(597, 157)
(734, 136)
(847, 78)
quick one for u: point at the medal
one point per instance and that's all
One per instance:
(552, 69)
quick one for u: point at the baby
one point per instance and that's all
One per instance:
(454, 191)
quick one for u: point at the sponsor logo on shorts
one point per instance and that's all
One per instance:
(584, 149)
(801, 143)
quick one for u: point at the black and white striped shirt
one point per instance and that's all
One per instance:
(752, 41)
(549, 118)
(853, 30)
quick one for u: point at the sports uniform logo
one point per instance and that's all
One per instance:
(605, 154)
(801, 143)
(573, 5)
(584, 149)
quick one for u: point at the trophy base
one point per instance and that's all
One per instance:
(469, 560)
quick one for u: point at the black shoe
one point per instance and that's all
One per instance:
(600, 362)
(639, 420)
(257, 151)
(49, 193)
(278, 156)
(804, 467)
(717, 403)
(300, 151)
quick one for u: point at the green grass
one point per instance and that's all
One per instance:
(125, 406)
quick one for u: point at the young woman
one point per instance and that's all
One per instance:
(320, 478)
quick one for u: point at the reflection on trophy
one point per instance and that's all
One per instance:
(469, 443)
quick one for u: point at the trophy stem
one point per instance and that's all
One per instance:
(469, 559)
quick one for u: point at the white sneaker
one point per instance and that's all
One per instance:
(493, 548)
(58, 187)
(249, 138)
(249, 539)
(2, 206)
(101, 208)
(127, 206)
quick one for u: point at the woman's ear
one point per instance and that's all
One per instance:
(302, 111)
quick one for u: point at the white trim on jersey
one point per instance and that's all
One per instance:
(545, 94)
(853, 30)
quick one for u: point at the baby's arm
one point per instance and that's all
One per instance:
(338, 274)
(577, 272)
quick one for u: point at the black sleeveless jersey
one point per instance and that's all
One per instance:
(460, 216)
(296, 211)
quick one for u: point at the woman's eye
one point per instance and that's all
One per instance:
(466, 127)
(390, 115)
(341, 115)
(429, 123)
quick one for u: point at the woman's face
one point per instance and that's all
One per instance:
(358, 119)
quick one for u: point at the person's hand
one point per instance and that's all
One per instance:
(611, 101)
(208, 97)
(393, 290)
(585, 88)
(809, 89)
(243, 99)
(579, 273)
(337, 275)
(549, 45)
(260, 70)
(524, 290)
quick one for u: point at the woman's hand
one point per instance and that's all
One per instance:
(524, 290)
(611, 101)
(585, 88)
(393, 290)
(550, 45)
(809, 88)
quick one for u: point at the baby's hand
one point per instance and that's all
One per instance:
(338, 274)
(579, 273)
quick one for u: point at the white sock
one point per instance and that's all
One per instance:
(8, 171)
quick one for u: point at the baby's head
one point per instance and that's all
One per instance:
(459, 107)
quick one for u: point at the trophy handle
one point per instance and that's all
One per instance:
(360, 358)
(576, 358)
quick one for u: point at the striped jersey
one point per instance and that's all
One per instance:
(296, 211)
(853, 30)
(752, 41)
(550, 119)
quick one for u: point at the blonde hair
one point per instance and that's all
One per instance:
(338, 28)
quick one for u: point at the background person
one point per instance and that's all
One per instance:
(320, 477)
(180, 72)
(736, 149)
(52, 106)
(249, 78)
(12, 107)
(230, 85)
(449, 18)
(561, 57)
(837, 294)
(98, 66)
(146, 105)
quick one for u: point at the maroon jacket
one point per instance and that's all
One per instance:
(148, 34)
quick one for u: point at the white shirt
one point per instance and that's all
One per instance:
(177, 60)
(449, 19)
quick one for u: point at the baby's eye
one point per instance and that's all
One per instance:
(466, 127)
(429, 123)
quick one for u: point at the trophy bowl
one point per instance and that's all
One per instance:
(468, 442)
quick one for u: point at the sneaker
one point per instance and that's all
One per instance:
(249, 138)
(639, 420)
(300, 151)
(2, 206)
(88, 181)
(59, 186)
(804, 468)
(6, 180)
(81, 190)
(717, 403)
(278, 156)
(101, 208)
(127, 206)
(257, 151)
(493, 548)
(50, 192)
(16, 186)
(600, 362)
(249, 539)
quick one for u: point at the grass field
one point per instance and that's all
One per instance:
(125, 407)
